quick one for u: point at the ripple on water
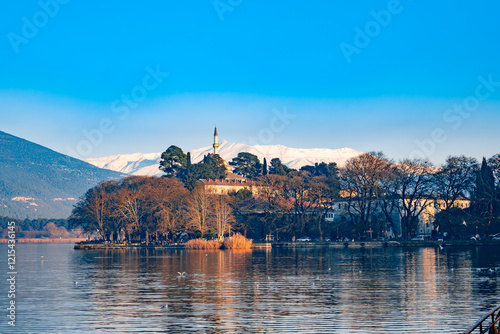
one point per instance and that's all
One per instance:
(283, 291)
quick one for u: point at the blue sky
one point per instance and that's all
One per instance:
(409, 78)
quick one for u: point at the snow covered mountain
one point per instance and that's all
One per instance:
(133, 164)
(147, 163)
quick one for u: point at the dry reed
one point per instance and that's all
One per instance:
(203, 244)
(237, 241)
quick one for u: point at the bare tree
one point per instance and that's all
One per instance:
(494, 163)
(223, 214)
(200, 207)
(322, 197)
(455, 180)
(131, 212)
(97, 208)
(454, 184)
(298, 193)
(272, 204)
(242, 204)
(415, 190)
(166, 205)
(387, 199)
(360, 184)
(94, 211)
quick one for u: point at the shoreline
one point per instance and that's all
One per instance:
(388, 243)
(44, 240)
(334, 244)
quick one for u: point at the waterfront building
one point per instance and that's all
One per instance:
(340, 212)
(232, 182)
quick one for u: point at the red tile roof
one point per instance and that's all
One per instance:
(228, 182)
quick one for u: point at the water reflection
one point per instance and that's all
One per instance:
(420, 290)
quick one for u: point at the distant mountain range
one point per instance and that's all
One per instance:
(37, 182)
(148, 163)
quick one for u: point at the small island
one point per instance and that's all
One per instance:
(370, 202)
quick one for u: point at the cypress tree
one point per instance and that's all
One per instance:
(485, 204)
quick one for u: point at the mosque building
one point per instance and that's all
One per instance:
(232, 182)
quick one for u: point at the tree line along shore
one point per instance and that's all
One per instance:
(370, 197)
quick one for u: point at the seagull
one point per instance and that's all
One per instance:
(329, 269)
(75, 282)
(268, 277)
(183, 274)
(317, 277)
(441, 247)
(164, 306)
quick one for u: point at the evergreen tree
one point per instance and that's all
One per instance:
(264, 167)
(485, 182)
(309, 169)
(173, 161)
(241, 195)
(486, 205)
(247, 165)
(190, 174)
(321, 169)
(177, 164)
(211, 167)
(332, 177)
(277, 168)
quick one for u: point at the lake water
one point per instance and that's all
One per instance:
(420, 290)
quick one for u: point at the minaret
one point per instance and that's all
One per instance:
(216, 141)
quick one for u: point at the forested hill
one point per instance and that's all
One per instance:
(37, 182)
